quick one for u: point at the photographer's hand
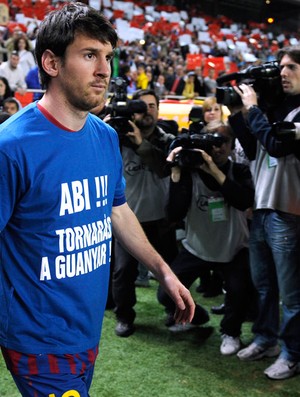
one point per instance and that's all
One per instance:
(107, 118)
(211, 168)
(135, 135)
(247, 94)
(175, 171)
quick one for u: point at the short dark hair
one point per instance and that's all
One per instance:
(57, 31)
(139, 93)
(292, 51)
(8, 92)
(12, 100)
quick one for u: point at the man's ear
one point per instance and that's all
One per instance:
(50, 63)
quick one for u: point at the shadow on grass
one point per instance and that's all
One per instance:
(159, 363)
(198, 335)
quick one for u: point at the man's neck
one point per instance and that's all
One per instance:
(70, 118)
(146, 133)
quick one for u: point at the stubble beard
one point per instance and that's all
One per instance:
(81, 99)
(146, 122)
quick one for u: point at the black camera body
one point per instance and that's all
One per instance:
(265, 80)
(121, 108)
(196, 120)
(188, 156)
(194, 138)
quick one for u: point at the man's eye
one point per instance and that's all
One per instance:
(109, 58)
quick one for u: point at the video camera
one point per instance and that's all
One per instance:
(265, 80)
(194, 138)
(188, 156)
(121, 108)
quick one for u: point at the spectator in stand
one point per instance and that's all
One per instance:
(169, 76)
(21, 45)
(210, 83)
(176, 83)
(199, 82)
(160, 87)
(3, 49)
(132, 86)
(142, 79)
(130, 77)
(14, 74)
(11, 105)
(33, 81)
(10, 42)
(5, 91)
(32, 37)
(189, 91)
(149, 75)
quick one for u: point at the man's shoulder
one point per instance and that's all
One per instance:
(3, 65)
(239, 169)
(25, 115)
(100, 125)
(168, 128)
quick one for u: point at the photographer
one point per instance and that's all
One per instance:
(213, 195)
(144, 149)
(275, 230)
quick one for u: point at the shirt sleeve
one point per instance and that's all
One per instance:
(239, 189)
(262, 130)
(10, 183)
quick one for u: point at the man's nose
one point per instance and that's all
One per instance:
(103, 68)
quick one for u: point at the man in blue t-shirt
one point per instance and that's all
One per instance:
(62, 194)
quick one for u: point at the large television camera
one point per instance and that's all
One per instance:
(194, 138)
(121, 108)
(188, 156)
(265, 80)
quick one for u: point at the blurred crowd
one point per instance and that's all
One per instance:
(175, 52)
(190, 45)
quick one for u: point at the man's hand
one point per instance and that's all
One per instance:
(247, 94)
(175, 171)
(135, 135)
(129, 232)
(185, 305)
(211, 168)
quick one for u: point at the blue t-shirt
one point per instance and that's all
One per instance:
(57, 190)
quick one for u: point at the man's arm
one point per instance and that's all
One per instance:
(260, 126)
(152, 155)
(129, 232)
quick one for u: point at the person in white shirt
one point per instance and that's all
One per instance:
(13, 72)
(27, 60)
